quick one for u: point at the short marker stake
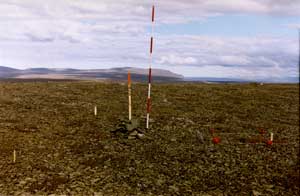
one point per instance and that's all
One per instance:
(272, 137)
(150, 71)
(270, 141)
(129, 96)
(216, 139)
(95, 111)
(14, 156)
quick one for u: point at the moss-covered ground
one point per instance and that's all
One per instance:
(63, 149)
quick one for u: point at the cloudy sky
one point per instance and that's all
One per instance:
(251, 39)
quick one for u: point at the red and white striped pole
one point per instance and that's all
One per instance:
(150, 71)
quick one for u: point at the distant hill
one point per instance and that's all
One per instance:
(215, 80)
(7, 69)
(119, 73)
(7, 72)
(238, 80)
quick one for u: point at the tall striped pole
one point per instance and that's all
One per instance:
(150, 71)
(129, 96)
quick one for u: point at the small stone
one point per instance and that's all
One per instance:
(199, 136)
(174, 188)
(29, 179)
(106, 147)
(134, 133)
(73, 131)
(98, 194)
(256, 193)
(22, 182)
(140, 135)
(131, 137)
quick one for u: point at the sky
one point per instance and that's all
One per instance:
(247, 39)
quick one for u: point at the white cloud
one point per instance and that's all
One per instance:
(94, 33)
(256, 57)
(293, 26)
(177, 60)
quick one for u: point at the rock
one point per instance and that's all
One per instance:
(140, 135)
(189, 121)
(200, 137)
(98, 194)
(256, 193)
(29, 179)
(173, 188)
(130, 137)
(106, 147)
(22, 182)
(73, 131)
(134, 133)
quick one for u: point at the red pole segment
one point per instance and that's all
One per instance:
(150, 76)
(153, 13)
(151, 45)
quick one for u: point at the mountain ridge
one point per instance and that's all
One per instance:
(117, 73)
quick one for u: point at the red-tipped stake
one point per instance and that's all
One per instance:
(215, 140)
(272, 136)
(129, 96)
(270, 141)
(150, 72)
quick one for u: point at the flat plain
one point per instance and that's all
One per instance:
(62, 148)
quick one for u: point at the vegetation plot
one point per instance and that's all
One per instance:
(63, 148)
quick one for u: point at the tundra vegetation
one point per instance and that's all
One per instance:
(63, 148)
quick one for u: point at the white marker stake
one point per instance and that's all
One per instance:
(14, 156)
(271, 136)
(95, 111)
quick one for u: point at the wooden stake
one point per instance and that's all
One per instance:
(14, 156)
(272, 137)
(95, 110)
(129, 96)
